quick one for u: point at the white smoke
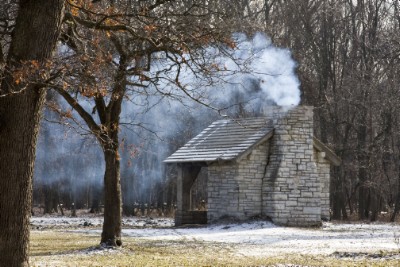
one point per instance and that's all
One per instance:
(255, 75)
(269, 69)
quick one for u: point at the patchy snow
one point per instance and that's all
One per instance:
(264, 238)
(51, 221)
(257, 238)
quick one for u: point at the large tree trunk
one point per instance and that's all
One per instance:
(18, 134)
(34, 38)
(111, 235)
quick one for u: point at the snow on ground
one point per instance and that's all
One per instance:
(263, 238)
(257, 238)
(57, 222)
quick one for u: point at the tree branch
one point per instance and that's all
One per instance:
(79, 109)
(96, 25)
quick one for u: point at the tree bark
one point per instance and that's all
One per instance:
(362, 171)
(34, 38)
(111, 235)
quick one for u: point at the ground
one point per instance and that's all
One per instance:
(66, 241)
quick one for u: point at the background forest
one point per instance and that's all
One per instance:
(348, 56)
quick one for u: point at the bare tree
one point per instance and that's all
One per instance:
(126, 52)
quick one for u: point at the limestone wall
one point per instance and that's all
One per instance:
(234, 190)
(292, 190)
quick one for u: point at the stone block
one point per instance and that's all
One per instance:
(307, 194)
(291, 203)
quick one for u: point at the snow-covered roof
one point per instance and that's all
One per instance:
(224, 140)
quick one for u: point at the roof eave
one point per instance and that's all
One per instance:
(207, 162)
(247, 152)
(329, 154)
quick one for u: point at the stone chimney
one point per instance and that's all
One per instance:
(291, 187)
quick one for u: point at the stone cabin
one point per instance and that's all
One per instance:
(269, 167)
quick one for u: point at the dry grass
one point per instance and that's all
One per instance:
(61, 248)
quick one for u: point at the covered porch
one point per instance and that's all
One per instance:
(187, 211)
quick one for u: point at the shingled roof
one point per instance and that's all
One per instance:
(224, 140)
